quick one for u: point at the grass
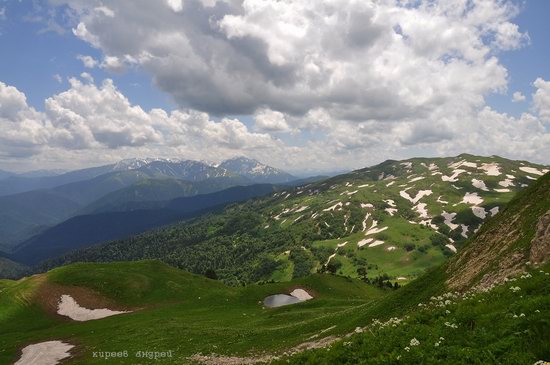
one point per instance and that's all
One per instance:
(185, 313)
(503, 326)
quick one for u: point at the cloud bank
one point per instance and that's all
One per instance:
(327, 83)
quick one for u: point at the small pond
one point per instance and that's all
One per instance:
(278, 300)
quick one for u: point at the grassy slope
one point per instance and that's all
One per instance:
(490, 329)
(299, 218)
(497, 327)
(181, 312)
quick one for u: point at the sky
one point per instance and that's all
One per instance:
(307, 86)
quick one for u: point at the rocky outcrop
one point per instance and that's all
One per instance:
(506, 245)
(540, 245)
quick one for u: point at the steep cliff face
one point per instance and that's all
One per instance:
(508, 243)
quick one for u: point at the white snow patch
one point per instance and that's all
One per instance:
(491, 169)
(391, 211)
(365, 221)
(432, 167)
(502, 190)
(391, 248)
(69, 307)
(376, 243)
(390, 183)
(390, 202)
(342, 244)
(367, 205)
(301, 209)
(506, 183)
(462, 163)
(334, 207)
(363, 186)
(419, 195)
(479, 212)
(453, 177)
(330, 258)
(428, 223)
(407, 165)
(363, 242)
(375, 230)
(464, 232)
(349, 193)
(45, 353)
(472, 198)
(401, 278)
(451, 247)
(533, 171)
(420, 208)
(449, 217)
(441, 201)
(480, 184)
(494, 211)
(416, 179)
(301, 294)
(530, 177)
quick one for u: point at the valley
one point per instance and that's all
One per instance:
(391, 222)
(443, 310)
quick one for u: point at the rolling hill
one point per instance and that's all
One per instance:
(476, 308)
(393, 220)
(490, 304)
(171, 310)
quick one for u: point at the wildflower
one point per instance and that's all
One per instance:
(515, 288)
(441, 338)
(522, 315)
(447, 311)
(437, 344)
(414, 342)
(407, 348)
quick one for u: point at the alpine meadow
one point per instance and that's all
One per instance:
(238, 182)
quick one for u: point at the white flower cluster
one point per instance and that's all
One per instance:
(393, 322)
(414, 342)
(439, 342)
(515, 289)
(451, 325)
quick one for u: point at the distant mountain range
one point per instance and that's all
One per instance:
(30, 205)
(85, 230)
(395, 220)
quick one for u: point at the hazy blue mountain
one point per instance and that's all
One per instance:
(82, 231)
(5, 174)
(127, 185)
(256, 171)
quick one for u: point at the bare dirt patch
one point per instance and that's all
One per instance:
(49, 295)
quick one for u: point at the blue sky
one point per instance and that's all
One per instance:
(32, 56)
(530, 62)
(306, 94)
